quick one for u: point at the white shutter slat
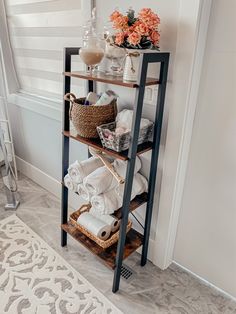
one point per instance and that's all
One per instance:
(45, 43)
(49, 19)
(39, 54)
(42, 6)
(32, 84)
(67, 31)
(51, 65)
(20, 2)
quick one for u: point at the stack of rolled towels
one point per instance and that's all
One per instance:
(77, 172)
(95, 183)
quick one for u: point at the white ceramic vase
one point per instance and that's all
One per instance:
(132, 62)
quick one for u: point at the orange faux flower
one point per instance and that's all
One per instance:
(141, 28)
(148, 17)
(140, 31)
(155, 37)
(119, 38)
(145, 12)
(115, 15)
(121, 22)
(134, 38)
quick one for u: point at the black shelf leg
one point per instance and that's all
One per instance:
(65, 140)
(91, 86)
(130, 171)
(64, 194)
(155, 155)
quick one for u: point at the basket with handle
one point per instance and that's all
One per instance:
(102, 243)
(86, 118)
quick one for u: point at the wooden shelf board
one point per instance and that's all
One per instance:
(109, 79)
(108, 256)
(96, 143)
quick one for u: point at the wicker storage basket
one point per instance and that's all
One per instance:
(104, 244)
(121, 142)
(86, 118)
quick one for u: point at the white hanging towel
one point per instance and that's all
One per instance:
(79, 170)
(83, 192)
(95, 225)
(69, 183)
(109, 202)
(101, 180)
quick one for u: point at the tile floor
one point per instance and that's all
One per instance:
(150, 290)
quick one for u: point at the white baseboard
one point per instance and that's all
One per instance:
(205, 281)
(45, 181)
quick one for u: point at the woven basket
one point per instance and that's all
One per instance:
(104, 244)
(86, 118)
(121, 142)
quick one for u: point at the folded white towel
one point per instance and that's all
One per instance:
(109, 202)
(69, 183)
(79, 170)
(125, 117)
(101, 180)
(106, 203)
(83, 192)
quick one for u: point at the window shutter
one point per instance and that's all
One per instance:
(39, 30)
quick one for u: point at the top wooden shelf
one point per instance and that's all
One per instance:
(109, 79)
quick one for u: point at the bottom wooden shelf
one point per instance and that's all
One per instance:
(133, 241)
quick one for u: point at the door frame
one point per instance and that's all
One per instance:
(191, 42)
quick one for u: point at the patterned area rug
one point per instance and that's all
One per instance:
(34, 279)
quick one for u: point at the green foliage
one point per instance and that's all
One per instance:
(131, 17)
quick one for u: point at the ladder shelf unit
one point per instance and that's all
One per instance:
(130, 242)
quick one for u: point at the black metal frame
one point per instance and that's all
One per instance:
(146, 58)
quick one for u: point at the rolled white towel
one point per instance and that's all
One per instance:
(121, 166)
(109, 202)
(69, 183)
(109, 219)
(79, 170)
(106, 203)
(140, 185)
(101, 180)
(95, 225)
(83, 192)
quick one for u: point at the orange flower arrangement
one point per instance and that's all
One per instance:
(139, 32)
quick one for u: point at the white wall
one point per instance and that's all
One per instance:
(206, 237)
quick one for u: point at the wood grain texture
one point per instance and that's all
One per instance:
(108, 256)
(96, 143)
(109, 79)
